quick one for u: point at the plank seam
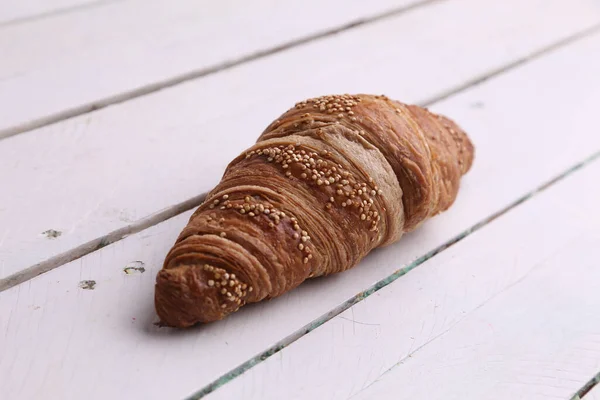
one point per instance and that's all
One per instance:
(412, 352)
(98, 243)
(516, 63)
(311, 326)
(57, 12)
(203, 72)
(585, 389)
(154, 219)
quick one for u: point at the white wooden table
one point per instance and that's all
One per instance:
(116, 116)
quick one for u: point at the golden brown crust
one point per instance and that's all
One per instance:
(331, 179)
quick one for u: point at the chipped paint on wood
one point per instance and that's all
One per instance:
(87, 284)
(52, 233)
(133, 267)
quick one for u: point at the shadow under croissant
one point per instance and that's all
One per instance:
(377, 259)
(153, 326)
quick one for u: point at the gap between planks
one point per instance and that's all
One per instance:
(57, 12)
(514, 64)
(311, 326)
(153, 219)
(200, 73)
(587, 388)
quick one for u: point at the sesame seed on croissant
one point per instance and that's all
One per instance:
(330, 180)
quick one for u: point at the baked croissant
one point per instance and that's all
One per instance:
(330, 180)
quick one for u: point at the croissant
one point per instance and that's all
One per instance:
(331, 179)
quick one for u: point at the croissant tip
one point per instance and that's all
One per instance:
(186, 295)
(174, 299)
(466, 153)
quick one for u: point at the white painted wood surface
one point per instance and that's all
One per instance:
(19, 11)
(72, 63)
(111, 169)
(60, 339)
(510, 312)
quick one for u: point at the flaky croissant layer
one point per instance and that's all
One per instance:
(330, 180)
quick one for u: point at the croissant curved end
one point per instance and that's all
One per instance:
(467, 150)
(182, 298)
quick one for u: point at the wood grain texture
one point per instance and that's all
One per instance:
(92, 341)
(109, 170)
(14, 12)
(507, 313)
(76, 62)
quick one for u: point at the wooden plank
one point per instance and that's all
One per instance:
(14, 12)
(78, 62)
(94, 344)
(508, 313)
(152, 154)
